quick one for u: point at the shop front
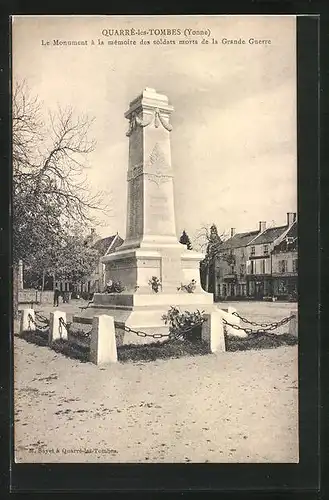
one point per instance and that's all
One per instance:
(259, 287)
(285, 287)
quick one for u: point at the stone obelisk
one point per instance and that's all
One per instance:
(151, 248)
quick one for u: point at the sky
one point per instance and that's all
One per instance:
(234, 150)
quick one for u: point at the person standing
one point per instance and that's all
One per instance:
(56, 296)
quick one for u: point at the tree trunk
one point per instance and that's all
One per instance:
(15, 289)
(42, 285)
(215, 283)
(207, 278)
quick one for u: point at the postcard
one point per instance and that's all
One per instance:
(155, 239)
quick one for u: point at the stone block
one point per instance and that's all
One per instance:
(103, 347)
(57, 331)
(213, 332)
(293, 324)
(232, 320)
(27, 324)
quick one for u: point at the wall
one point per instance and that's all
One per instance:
(289, 257)
(35, 296)
(259, 266)
(224, 270)
(259, 249)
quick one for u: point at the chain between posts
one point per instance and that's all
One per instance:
(67, 326)
(268, 327)
(61, 324)
(42, 318)
(86, 307)
(265, 327)
(161, 335)
(253, 323)
(143, 334)
(39, 327)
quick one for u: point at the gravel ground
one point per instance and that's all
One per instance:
(229, 407)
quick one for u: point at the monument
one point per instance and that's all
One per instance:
(151, 249)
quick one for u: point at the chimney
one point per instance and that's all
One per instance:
(262, 226)
(232, 231)
(291, 217)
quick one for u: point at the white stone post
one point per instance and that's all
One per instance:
(232, 320)
(57, 330)
(213, 332)
(103, 348)
(26, 322)
(293, 324)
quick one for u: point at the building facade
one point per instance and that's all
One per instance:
(285, 266)
(96, 281)
(247, 263)
(231, 265)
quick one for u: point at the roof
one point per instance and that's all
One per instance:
(291, 244)
(293, 232)
(269, 235)
(238, 240)
(103, 245)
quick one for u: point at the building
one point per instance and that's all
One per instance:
(105, 246)
(244, 266)
(285, 266)
(231, 265)
(96, 281)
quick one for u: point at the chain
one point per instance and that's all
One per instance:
(265, 327)
(85, 334)
(253, 323)
(41, 318)
(85, 307)
(39, 327)
(161, 335)
(269, 327)
(63, 323)
(143, 334)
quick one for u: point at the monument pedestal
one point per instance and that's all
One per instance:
(143, 312)
(141, 308)
(151, 249)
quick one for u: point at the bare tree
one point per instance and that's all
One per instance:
(50, 186)
(209, 240)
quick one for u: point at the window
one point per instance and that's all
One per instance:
(282, 266)
(232, 269)
(262, 266)
(253, 250)
(252, 267)
(295, 265)
(265, 249)
(282, 288)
